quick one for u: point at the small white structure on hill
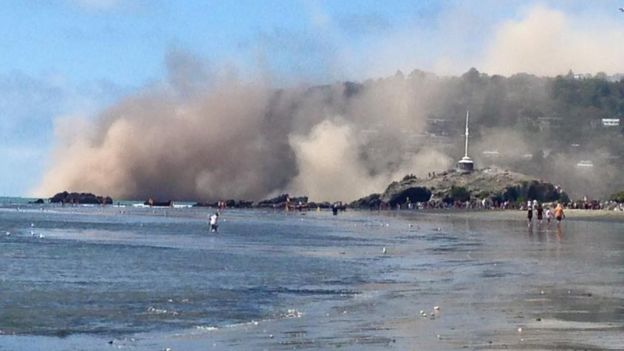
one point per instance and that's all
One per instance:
(465, 165)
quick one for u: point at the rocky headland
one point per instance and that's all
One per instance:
(494, 185)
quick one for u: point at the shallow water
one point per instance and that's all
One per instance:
(79, 278)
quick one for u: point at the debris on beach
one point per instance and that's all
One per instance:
(293, 313)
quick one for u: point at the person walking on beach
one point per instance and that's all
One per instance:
(540, 213)
(549, 215)
(559, 215)
(529, 212)
(214, 226)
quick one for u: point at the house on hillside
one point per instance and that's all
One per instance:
(547, 123)
(610, 122)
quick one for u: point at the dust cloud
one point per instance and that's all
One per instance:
(209, 135)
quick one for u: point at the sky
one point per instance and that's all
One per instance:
(65, 58)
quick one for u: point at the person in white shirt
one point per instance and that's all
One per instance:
(549, 215)
(213, 222)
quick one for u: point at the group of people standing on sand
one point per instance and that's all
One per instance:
(537, 208)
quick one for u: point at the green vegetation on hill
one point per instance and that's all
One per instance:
(553, 111)
(618, 197)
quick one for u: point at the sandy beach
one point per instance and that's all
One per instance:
(571, 214)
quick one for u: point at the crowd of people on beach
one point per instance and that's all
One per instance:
(473, 204)
(586, 204)
(489, 204)
(536, 208)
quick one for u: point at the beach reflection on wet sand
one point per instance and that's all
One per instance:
(474, 281)
(428, 281)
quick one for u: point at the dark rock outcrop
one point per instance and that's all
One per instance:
(407, 195)
(239, 204)
(273, 202)
(155, 203)
(228, 204)
(206, 204)
(372, 202)
(323, 205)
(284, 200)
(80, 198)
(493, 184)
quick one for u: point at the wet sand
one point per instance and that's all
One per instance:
(497, 285)
(571, 214)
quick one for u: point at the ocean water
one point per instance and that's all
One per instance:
(102, 278)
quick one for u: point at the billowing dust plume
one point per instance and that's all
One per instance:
(548, 42)
(245, 140)
(209, 136)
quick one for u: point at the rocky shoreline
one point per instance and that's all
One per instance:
(488, 187)
(485, 188)
(79, 198)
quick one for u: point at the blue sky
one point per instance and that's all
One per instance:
(125, 41)
(75, 57)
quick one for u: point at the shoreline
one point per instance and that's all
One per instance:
(510, 214)
(491, 214)
(489, 278)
